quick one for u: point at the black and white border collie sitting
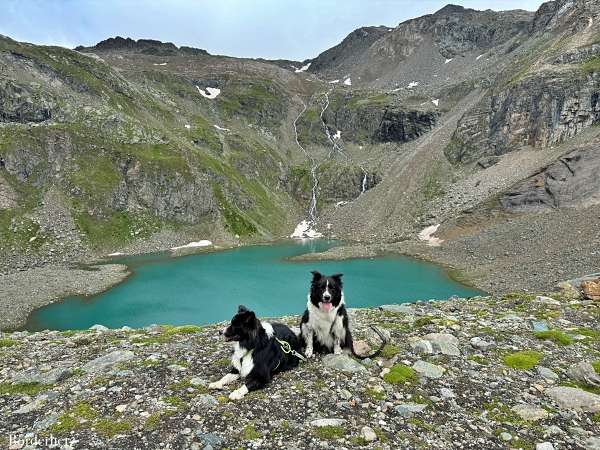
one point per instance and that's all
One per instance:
(324, 326)
(257, 355)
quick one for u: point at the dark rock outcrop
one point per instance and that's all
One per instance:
(18, 103)
(404, 126)
(537, 111)
(573, 180)
(168, 195)
(377, 119)
(146, 46)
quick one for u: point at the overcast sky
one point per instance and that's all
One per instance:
(288, 29)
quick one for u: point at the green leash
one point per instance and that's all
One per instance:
(287, 349)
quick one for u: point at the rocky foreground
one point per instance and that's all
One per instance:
(520, 371)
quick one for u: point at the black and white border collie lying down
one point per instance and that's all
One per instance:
(257, 354)
(324, 326)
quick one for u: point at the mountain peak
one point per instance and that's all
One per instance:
(450, 9)
(148, 46)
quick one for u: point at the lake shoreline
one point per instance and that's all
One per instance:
(94, 287)
(26, 291)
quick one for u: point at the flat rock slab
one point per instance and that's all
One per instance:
(343, 363)
(574, 398)
(530, 413)
(428, 370)
(36, 376)
(398, 309)
(592, 443)
(319, 423)
(549, 301)
(443, 343)
(107, 361)
(585, 373)
(409, 409)
(421, 346)
(546, 373)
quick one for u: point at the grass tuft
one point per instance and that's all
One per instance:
(7, 343)
(400, 374)
(389, 351)
(22, 388)
(250, 433)
(330, 432)
(556, 336)
(524, 360)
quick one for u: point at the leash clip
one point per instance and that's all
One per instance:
(287, 348)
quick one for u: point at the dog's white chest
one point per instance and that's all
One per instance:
(242, 360)
(327, 326)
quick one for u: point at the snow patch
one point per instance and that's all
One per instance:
(305, 230)
(436, 101)
(413, 84)
(448, 60)
(340, 204)
(478, 58)
(202, 243)
(334, 81)
(221, 128)
(337, 135)
(161, 64)
(210, 93)
(187, 126)
(303, 68)
(427, 233)
(116, 254)
(348, 82)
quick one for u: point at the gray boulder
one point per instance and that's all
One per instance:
(34, 375)
(428, 370)
(444, 343)
(584, 373)
(409, 409)
(343, 363)
(574, 398)
(106, 362)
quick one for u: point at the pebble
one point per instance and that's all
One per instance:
(505, 436)
(368, 434)
(544, 446)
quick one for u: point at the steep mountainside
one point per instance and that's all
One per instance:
(136, 145)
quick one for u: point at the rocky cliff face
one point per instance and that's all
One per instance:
(569, 182)
(538, 111)
(549, 93)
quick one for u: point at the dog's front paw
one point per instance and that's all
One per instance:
(337, 351)
(309, 353)
(239, 393)
(215, 385)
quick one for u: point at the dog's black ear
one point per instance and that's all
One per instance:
(249, 316)
(316, 275)
(242, 309)
(337, 276)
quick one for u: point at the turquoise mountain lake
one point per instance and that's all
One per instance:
(207, 288)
